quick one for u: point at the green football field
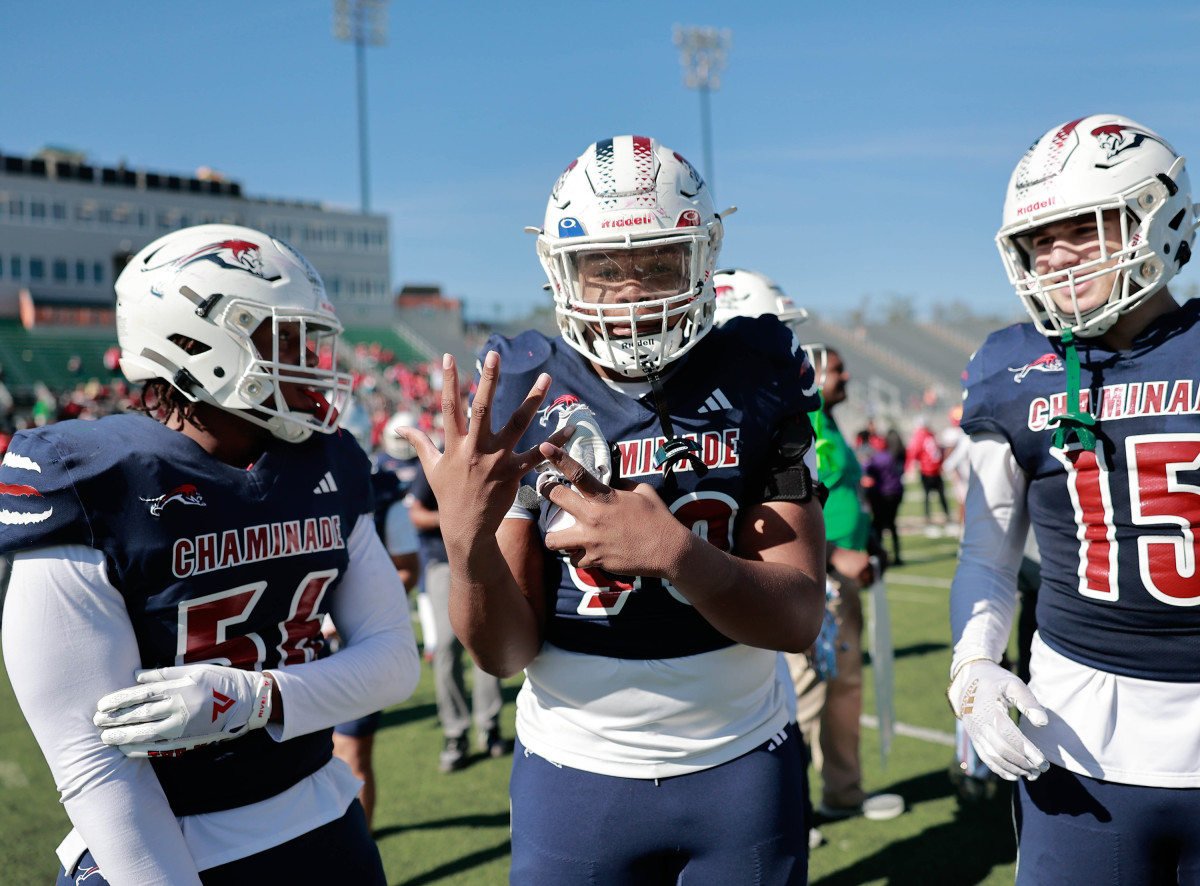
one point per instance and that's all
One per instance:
(453, 829)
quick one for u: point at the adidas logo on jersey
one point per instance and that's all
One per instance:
(326, 485)
(716, 402)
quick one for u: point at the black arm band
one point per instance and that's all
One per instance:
(788, 477)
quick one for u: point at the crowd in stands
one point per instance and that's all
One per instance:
(382, 386)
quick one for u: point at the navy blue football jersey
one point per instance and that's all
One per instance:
(730, 395)
(1117, 527)
(215, 563)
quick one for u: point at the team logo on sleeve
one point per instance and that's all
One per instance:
(185, 495)
(1045, 363)
(20, 504)
(14, 492)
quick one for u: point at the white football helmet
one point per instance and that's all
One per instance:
(630, 209)
(395, 445)
(1085, 167)
(742, 293)
(187, 306)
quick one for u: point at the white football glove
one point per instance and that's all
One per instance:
(981, 694)
(173, 710)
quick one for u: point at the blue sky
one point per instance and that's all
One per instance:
(866, 145)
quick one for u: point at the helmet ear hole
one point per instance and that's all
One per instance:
(190, 346)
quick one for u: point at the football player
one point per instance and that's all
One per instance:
(653, 738)
(1085, 423)
(162, 627)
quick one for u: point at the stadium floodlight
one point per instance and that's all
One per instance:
(363, 23)
(702, 53)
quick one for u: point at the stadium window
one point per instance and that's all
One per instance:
(97, 273)
(119, 261)
(80, 272)
(142, 218)
(105, 215)
(58, 211)
(335, 286)
(37, 268)
(60, 270)
(37, 210)
(85, 211)
(162, 219)
(16, 207)
(14, 267)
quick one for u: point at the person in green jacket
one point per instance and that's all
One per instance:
(829, 709)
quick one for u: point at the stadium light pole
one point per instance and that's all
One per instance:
(702, 53)
(364, 23)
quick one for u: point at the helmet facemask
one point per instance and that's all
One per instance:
(633, 306)
(299, 349)
(1134, 270)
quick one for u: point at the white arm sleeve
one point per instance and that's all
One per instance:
(983, 596)
(378, 664)
(67, 642)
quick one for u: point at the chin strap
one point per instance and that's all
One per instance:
(1074, 420)
(675, 449)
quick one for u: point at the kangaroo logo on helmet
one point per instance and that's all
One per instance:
(236, 255)
(1117, 138)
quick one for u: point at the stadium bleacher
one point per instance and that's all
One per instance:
(45, 355)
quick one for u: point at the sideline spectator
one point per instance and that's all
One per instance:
(829, 711)
(925, 455)
(883, 479)
(957, 464)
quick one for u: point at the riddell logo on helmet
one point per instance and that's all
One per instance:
(627, 221)
(1036, 205)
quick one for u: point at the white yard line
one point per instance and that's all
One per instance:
(934, 736)
(926, 580)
